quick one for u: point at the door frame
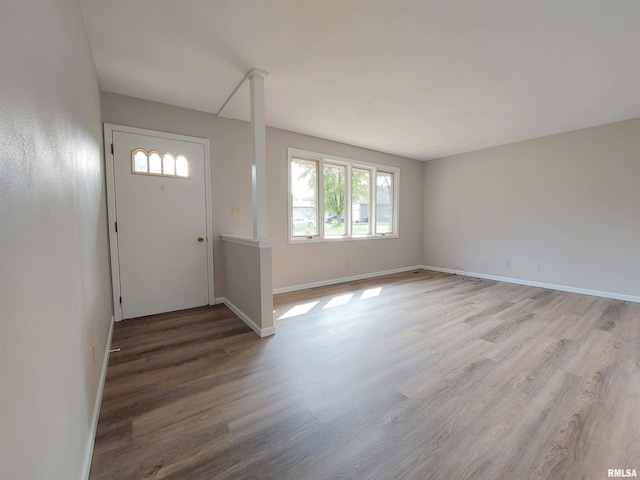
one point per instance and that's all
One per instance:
(109, 129)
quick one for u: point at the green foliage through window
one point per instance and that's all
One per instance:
(339, 198)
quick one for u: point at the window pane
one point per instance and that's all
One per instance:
(182, 166)
(168, 164)
(360, 199)
(334, 199)
(384, 202)
(304, 197)
(140, 162)
(155, 165)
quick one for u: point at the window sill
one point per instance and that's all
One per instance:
(317, 239)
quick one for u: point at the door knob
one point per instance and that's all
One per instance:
(200, 239)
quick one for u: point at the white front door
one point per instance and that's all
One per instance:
(160, 223)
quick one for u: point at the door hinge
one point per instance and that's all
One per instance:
(112, 149)
(120, 301)
(116, 227)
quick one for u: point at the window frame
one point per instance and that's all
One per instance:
(148, 154)
(350, 164)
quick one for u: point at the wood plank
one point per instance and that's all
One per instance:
(417, 375)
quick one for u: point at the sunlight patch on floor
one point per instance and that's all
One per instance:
(298, 310)
(336, 301)
(372, 292)
(339, 300)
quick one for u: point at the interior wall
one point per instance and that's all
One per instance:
(570, 202)
(249, 282)
(231, 155)
(301, 264)
(55, 283)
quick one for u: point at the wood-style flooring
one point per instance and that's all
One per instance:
(418, 375)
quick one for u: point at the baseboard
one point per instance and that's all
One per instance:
(335, 281)
(437, 269)
(262, 332)
(551, 286)
(96, 408)
(218, 301)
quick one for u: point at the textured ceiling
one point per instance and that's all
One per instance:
(422, 79)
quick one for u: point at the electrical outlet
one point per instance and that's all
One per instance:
(483, 260)
(235, 209)
(536, 266)
(347, 263)
(507, 263)
(93, 356)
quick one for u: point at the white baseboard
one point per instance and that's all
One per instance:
(96, 407)
(551, 286)
(262, 332)
(335, 281)
(218, 301)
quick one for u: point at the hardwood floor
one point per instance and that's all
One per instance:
(418, 375)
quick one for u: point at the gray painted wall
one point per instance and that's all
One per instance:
(231, 153)
(54, 281)
(567, 201)
(570, 202)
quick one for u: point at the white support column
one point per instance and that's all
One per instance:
(259, 167)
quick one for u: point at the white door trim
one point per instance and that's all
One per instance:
(109, 129)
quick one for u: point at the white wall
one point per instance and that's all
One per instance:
(570, 202)
(54, 273)
(231, 154)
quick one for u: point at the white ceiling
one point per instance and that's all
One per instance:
(418, 78)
